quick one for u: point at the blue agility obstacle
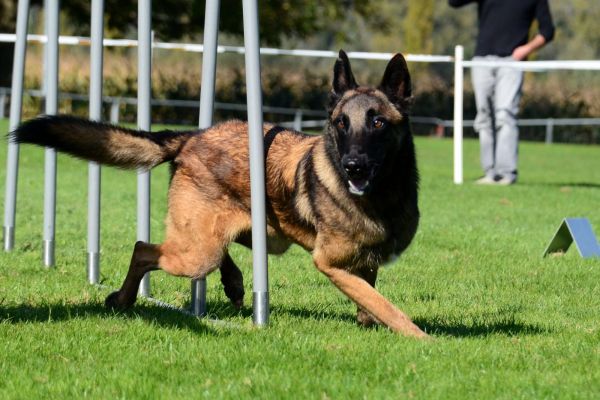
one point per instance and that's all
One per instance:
(578, 230)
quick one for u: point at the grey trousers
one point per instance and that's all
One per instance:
(497, 96)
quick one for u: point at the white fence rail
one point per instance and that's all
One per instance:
(199, 48)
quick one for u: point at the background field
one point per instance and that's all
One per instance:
(507, 323)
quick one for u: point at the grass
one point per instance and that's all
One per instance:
(507, 323)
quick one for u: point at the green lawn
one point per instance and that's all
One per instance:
(507, 323)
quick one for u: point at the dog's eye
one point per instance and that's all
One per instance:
(378, 123)
(339, 123)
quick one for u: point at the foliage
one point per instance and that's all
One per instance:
(506, 322)
(418, 28)
(176, 19)
(7, 24)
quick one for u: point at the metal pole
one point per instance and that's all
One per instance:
(143, 120)
(458, 114)
(207, 102)
(198, 306)
(209, 63)
(94, 172)
(45, 55)
(260, 300)
(16, 104)
(50, 154)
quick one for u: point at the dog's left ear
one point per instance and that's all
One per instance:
(396, 81)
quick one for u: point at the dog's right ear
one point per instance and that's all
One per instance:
(343, 79)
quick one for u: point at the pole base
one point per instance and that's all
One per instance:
(48, 256)
(260, 305)
(198, 306)
(93, 267)
(9, 238)
(145, 285)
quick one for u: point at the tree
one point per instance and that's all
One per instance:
(418, 27)
(176, 19)
(7, 24)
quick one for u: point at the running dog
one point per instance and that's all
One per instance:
(348, 196)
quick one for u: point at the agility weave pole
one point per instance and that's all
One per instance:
(144, 123)
(254, 100)
(16, 106)
(260, 284)
(94, 172)
(205, 119)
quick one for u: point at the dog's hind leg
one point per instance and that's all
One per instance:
(196, 241)
(183, 258)
(233, 281)
(144, 259)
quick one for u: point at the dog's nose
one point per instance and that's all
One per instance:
(353, 167)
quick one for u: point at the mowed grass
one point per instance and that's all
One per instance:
(507, 323)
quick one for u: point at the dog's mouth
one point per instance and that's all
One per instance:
(358, 186)
(358, 174)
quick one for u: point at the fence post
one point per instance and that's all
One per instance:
(298, 120)
(260, 286)
(143, 120)
(458, 114)
(549, 130)
(16, 106)
(2, 103)
(52, 15)
(115, 104)
(94, 172)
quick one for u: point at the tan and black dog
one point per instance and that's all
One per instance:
(348, 196)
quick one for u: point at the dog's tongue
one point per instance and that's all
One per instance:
(358, 186)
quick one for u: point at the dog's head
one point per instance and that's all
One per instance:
(366, 124)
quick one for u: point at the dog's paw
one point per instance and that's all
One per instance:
(366, 320)
(115, 301)
(235, 294)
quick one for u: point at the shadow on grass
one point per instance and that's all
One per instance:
(507, 328)
(315, 314)
(586, 185)
(221, 311)
(161, 316)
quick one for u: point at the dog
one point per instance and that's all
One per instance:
(348, 196)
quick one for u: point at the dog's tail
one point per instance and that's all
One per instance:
(100, 142)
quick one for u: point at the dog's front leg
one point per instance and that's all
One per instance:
(366, 297)
(363, 317)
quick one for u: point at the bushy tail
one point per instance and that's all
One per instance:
(104, 143)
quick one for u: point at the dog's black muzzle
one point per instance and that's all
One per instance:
(358, 172)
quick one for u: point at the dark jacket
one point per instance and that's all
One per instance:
(504, 24)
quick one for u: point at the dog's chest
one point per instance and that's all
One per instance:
(361, 243)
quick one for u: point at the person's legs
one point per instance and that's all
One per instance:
(483, 86)
(506, 107)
